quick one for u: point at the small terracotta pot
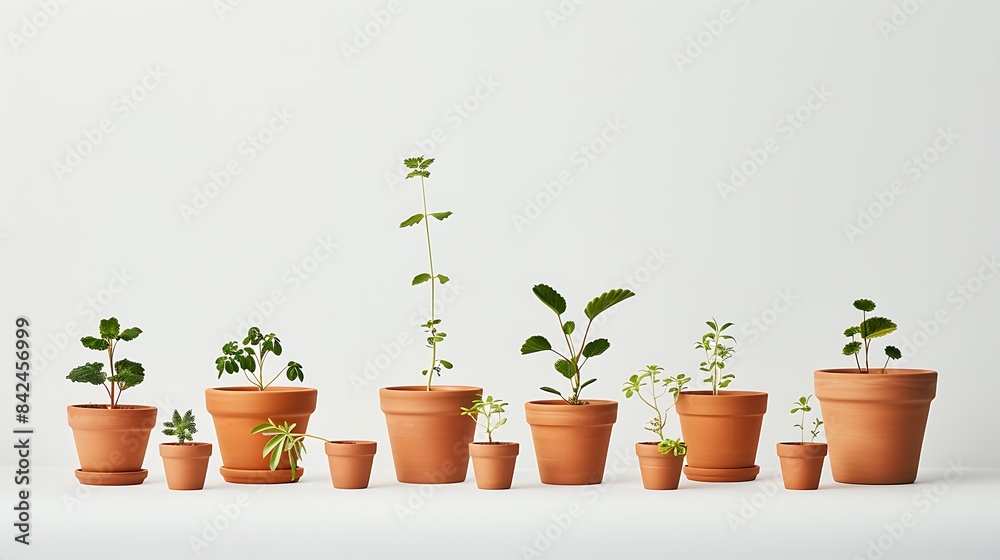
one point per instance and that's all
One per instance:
(237, 410)
(722, 432)
(875, 422)
(185, 464)
(428, 435)
(659, 471)
(350, 463)
(801, 464)
(493, 463)
(571, 441)
(111, 440)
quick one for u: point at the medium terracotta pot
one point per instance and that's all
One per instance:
(722, 432)
(350, 463)
(658, 471)
(428, 435)
(237, 410)
(571, 440)
(875, 422)
(111, 441)
(801, 464)
(185, 464)
(493, 463)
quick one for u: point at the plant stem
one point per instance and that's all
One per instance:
(802, 425)
(430, 260)
(111, 367)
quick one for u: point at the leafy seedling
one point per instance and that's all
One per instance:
(802, 406)
(650, 385)
(870, 328)
(181, 427)
(718, 348)
(249, 358)
(483, 411)
(123, 374)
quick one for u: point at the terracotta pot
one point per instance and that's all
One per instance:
(875, 422)
(493, 464)
(571, 441)
(111, 441)
(801, 464)
(658, 471)
(185, 464)
(722, 432)
(428, 435)
(350, 463)
(237, 410)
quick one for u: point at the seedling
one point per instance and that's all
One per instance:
(250, 359)
(717, 349)
(870, 327)
(283, 440)
(482, 412)
(124, 374)
(182, 427)
(656, 386)
(802, 406)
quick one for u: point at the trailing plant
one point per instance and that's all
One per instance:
(717, 349)
(657, 386)
(432, 327)
(283, 440)
(482, 412)
(182, 427)
(122, 374)
(870, 327)
(802, 406)
(251, 356)
(570, 365)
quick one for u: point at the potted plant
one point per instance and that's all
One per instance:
(350, 461)
(492, 461)
(571, 435)
(428, 437)
(721, 428)
(185, 463)
(111, 438)
(802, 461)
(875, 417)
(660, 461)
(236, 410)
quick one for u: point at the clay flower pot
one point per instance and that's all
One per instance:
(111, 443)
(185, 464)
(875, 422)
(801, 464)
(571, 441)
(658, 471)
(428, 435)
(721, 432)
(350, 463)
(493, 463)
(237, 410)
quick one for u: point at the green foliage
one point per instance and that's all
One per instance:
(537, 343)
(550, 298)
(182, 427)
(419, 166)
(604, 301)
(91, 372)
(869, 328)
(124, 374)
(283, 440)
(718, 349)
(802, 406)
(249, 358)
(483, 411)
(650, 385)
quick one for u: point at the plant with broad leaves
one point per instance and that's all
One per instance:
(716, 345)
(570, 364)
(653, 382)
(285, 441)
(802, 406)
(123, 374)
(250, 359)
(870, 327)
(482, 412)
(181, 427)
(432, 327)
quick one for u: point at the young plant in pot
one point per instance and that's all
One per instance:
(492, 461)
(428, 437)
(721, 427)
(350, 460)
(236, 410)
(660, 461)
(802, 461)
(185, 463)
(571, 435)
(875, 417)
(111, 438)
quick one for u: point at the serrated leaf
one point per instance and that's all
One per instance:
(851, 331)
(596, 347)
(852, 348)
(420, 278)
(94, 343)
(875, 327)
(569, 327)
(413, 162)
(534, 344)
(130, 334)
(418, 173)
(864, 305)
(110, 328)
(426, 163)
(565, 368)
(604, 301)
(550, 298)
(441, 215)
(92, 372)
(893, 352)
(411, 221)
(128, 373)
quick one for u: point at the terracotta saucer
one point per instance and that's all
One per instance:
(111, 478)
(745, 474)
(240, 476)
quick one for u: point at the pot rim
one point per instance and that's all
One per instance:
(188, 444)
(350, 442)
(882, 371)
(797, 443)
(723, 393)
(121, 407)
(253, 389)
(422, 389)
(560, 402)
(494, 443)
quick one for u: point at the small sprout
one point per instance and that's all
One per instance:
(718, 349)
(802, 406)
(182, 427)
(651, 382)
(250, 359)
(482, 412)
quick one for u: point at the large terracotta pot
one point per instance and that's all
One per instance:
(659, 471)
(350, 463)
(428, 435)
(237, 410)
(571, 441)
(185, 464)
(801, 464)
(111, 443)
(722, 432)
(875, 422)
(493, 464)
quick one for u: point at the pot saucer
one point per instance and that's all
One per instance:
(745, 474)
(111, 478)
(241, 476)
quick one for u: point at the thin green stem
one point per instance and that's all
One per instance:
(430, 260)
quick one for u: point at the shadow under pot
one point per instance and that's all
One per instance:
(659, 471)
(111, 442)
(801, 464)
(571, 440)
(350, 463)
(493, 463)
(722, 432)
(185, 464)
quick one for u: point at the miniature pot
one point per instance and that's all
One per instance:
(875, 422)
(801, 464)
(658, 471)
(428, 435)
(350, 463)
(111, 443)
(722, 432)
(185, 464)
(571, 440)
(493, 463)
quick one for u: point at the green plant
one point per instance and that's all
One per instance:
(571, 364)
(250, 359)
(124, 374)
(283, 440)
(183, 427)
(802, 406)
(482, 412)
(870, 327)
(717, 351)
(658, 387)
(435, 336)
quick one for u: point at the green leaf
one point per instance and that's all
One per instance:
(551, 390)
(550, 298)
(442, 278)
(275, 441)
(130, 334)
(893, 353)
(852, 348)
(420, 278)
(275, 458)
(604, 301)
(851, 331)
(587, 382)
(864, 305)
(426, 163)
(94, 343)
(874, 327)
(565, 368)
(411, 221)
(446, 364)
(441, 215)
(110, 328)
(569, 327)
(128, 373)
(413, 162)
(92, 372)
(534, 344)
(260, 428)
(418, 173)
(596, 347)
